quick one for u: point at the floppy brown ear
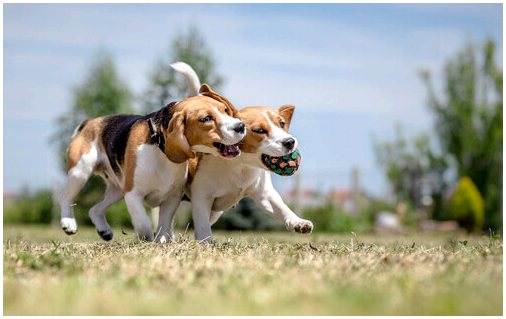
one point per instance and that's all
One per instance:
(286, 112)
(177, 148)
(205, 88)
(207, 91)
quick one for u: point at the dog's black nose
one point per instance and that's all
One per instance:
(239, 127)
(288, 143)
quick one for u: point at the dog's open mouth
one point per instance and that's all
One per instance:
(228, 150)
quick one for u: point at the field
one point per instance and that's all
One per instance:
(48, 273)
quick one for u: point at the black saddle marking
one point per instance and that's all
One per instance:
(117, 130)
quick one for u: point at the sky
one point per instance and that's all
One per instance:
(352, 71)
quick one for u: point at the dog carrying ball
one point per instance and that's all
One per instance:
(283, 165)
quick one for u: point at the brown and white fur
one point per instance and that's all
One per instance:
(217, 184)
(125, 150)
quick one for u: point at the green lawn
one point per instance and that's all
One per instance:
(49, 273)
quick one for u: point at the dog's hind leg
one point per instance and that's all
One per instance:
(77, 176)
(97, 213)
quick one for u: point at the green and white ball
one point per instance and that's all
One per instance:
(283, 165)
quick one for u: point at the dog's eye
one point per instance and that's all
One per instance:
(226, 110)
(282, 124)
(206, 119)
(260, 131)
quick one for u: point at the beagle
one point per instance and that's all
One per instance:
(144, 159)
(216, 184)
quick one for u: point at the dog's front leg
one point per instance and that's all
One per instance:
(140, 220)
(201, 212)
(165, 217)
(269, 199)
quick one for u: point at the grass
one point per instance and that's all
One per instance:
(48, 273)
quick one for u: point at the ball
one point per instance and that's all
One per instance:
(283, 165)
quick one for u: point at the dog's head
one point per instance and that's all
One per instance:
(267, 130)
(203, 123)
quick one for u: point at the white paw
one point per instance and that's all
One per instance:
(69, 225)
(300, 226)
(162, 239)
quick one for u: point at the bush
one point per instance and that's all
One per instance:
(117, 215)
(30, 208)
(467, 205)
(328, 218)
(37, 208)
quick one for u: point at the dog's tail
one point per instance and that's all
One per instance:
(191, 77)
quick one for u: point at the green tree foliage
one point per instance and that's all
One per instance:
(412, 167)
(469, 121)
(467, 206)
(29, 208)
(102, 92)
(328, 218)
(165, 85)
(468, 126)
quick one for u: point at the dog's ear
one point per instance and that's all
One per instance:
(205, 88)
(207, 91)
(177, 148)
(286, 112)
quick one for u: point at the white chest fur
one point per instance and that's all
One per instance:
(223, 181)
(155, 176)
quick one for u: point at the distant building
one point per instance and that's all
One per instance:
(10, 197)
(345, 199)
(306, 198)
(349, 200)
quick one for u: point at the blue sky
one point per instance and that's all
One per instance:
(351, 70)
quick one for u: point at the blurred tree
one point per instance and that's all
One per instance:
(102, 92)
(468, 118)
(413, 169)
(469, 122)
(165, 85)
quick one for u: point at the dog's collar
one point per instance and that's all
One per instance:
(155, 137)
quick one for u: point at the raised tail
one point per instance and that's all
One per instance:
(191, 77)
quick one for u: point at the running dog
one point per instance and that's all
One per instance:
(144, 159)
(216, 183)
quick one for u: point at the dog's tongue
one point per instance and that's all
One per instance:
(229, 150)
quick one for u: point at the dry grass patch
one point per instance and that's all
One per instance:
(46, 273)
